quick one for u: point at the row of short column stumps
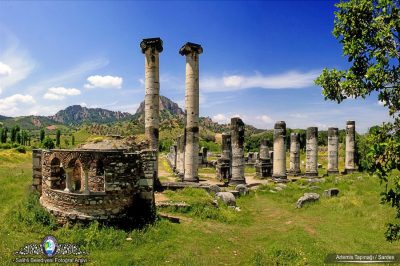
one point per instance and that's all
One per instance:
(231, 163)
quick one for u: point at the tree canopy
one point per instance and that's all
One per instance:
(369, 32)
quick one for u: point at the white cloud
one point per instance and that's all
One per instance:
(10, 105)
(220, 118)
(287, 80)
(265, 119)
(59, 93)
(15, 62)
(105, 82)
(5, 70)
(83, 104)
(69, 75)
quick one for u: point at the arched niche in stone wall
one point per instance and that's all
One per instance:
(75, 170)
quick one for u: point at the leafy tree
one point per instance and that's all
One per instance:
(18, 138)
(1, 135)
(42, 135)
(4, 135)
(48, 143)
(73, 140)
(14, 131)
(58, 136)
(369, 31)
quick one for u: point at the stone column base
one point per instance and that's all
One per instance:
(332, 172)
(294, 173)
(349, 171)
(311, 174)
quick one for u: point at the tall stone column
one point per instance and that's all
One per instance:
(279, 158)
(192, 51)
(333, 151)
(151, 48)
(294, 154)
(237, 138)
(350, 165)
(312, 152)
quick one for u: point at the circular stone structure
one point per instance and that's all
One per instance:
(84, 185)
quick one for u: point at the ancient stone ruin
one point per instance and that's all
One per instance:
(191, 51)
(350, 147)
(104, 185)
(279, 160)
(312, 152)
(118, 184)
(263, 164)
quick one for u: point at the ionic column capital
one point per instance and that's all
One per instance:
(155, 44)
(190, 48)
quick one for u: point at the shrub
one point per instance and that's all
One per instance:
(20, 149)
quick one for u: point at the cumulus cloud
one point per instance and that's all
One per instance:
(59, 93)
(5, 70)
(105, 82)
(265, 119)
(9, 105)
(220, 118)
(287, 80)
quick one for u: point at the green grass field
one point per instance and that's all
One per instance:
(267, 231)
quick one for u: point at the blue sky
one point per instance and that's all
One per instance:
(259, 59)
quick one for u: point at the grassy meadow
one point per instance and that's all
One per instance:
(267, 230)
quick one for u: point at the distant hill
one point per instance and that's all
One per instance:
(76, 114)
(3, 117)
(28, 122)
(168, 108)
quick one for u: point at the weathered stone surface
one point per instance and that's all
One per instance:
(227, 197)
(332, 192)
(312, 152)
(237, 138)
(263, 164)
(71, 178)
(279, 155)
(350, 165)
(294, 168)
(191, 51)
(151, 49)
(307, 197)
(214, 189)
(243, 190)
(333, 151)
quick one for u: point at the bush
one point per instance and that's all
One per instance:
(21, 149)
(48, 143)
